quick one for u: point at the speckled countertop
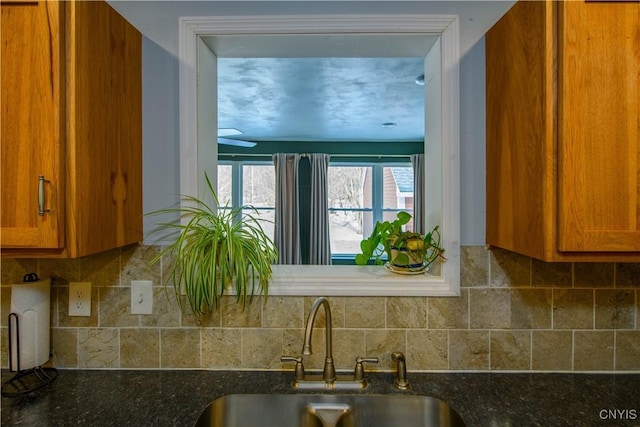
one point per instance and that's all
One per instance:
(176, 398)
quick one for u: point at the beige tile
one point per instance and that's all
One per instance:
(337, 306)
(552, 274)
(261, 348)
(4, 350)
(61, 271)
(65, 320)
(283, 312)
(102, 269)
(552, 350)
(14, 269)
(474, 266)
(347, 345)
(180, 348)
(64, 347)
(468, 350)
(54, 310)
(139, 348)
(510, 350)
(593, 350)
(628, 350)
(381, 343)
(593, 274)
(136, 262)
(166, 311)
(188, 319)
(490, 308)
(221, 348)
(5, 304)
(509, 269)
(449, 312)
(406, 312)
(98, 348)
(531, 308)
(166, 268)
(572, 309)
(627, 274)
(234, 315)
(427, 350)
(115, 307)
(292, 342)
(615, 308)
(364, 312)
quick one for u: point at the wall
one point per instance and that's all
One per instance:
(514, 313)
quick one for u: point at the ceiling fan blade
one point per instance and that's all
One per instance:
(236, 142)
(229, 132)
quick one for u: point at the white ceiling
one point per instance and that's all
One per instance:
(319, 88)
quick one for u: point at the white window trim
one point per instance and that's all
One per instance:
(343, 280)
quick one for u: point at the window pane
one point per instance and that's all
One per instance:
(398, 187)
(266, 218)
(258, 185)
(349, 193)
(224, 184)
(349, 187)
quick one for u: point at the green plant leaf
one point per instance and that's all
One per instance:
(215, 248)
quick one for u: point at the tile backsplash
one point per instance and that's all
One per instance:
(514, 314)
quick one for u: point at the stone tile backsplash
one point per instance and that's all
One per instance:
(514, 314)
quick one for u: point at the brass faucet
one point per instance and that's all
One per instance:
(329, 379)
(329, 372)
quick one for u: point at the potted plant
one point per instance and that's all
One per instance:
(405, 251)
(215, 249)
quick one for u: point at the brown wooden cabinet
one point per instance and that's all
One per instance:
(563, 131)
(71, 136)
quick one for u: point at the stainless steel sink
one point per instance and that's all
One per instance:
(321, 410)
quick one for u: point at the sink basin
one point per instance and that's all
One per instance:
(320, 410)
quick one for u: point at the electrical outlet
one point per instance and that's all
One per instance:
(141, 297)
(79, 298)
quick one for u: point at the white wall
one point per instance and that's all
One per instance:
(161, 137)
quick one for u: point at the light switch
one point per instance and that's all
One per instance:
(141, 297)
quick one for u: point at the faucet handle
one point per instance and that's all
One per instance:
(358, 371)
(299, 369)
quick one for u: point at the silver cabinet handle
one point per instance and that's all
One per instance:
(41, 197)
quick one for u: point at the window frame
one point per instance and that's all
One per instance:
(442, 141)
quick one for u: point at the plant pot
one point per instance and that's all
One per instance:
(405, 259)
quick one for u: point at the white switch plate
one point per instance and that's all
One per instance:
(79, 298)
(141, 297)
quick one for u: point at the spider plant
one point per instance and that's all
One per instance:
(216, 249)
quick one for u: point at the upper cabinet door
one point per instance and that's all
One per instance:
(32, 134)
(598, 126)
(104, 85)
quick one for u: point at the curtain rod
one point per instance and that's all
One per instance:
(379, 156)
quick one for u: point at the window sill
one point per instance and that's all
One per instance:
(349, 280)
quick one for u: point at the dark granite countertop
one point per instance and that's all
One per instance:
(176, 398)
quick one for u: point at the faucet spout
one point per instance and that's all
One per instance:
(329, 372)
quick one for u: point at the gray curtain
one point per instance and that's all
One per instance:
(287, 227)
(417, 161)
(319, 238)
